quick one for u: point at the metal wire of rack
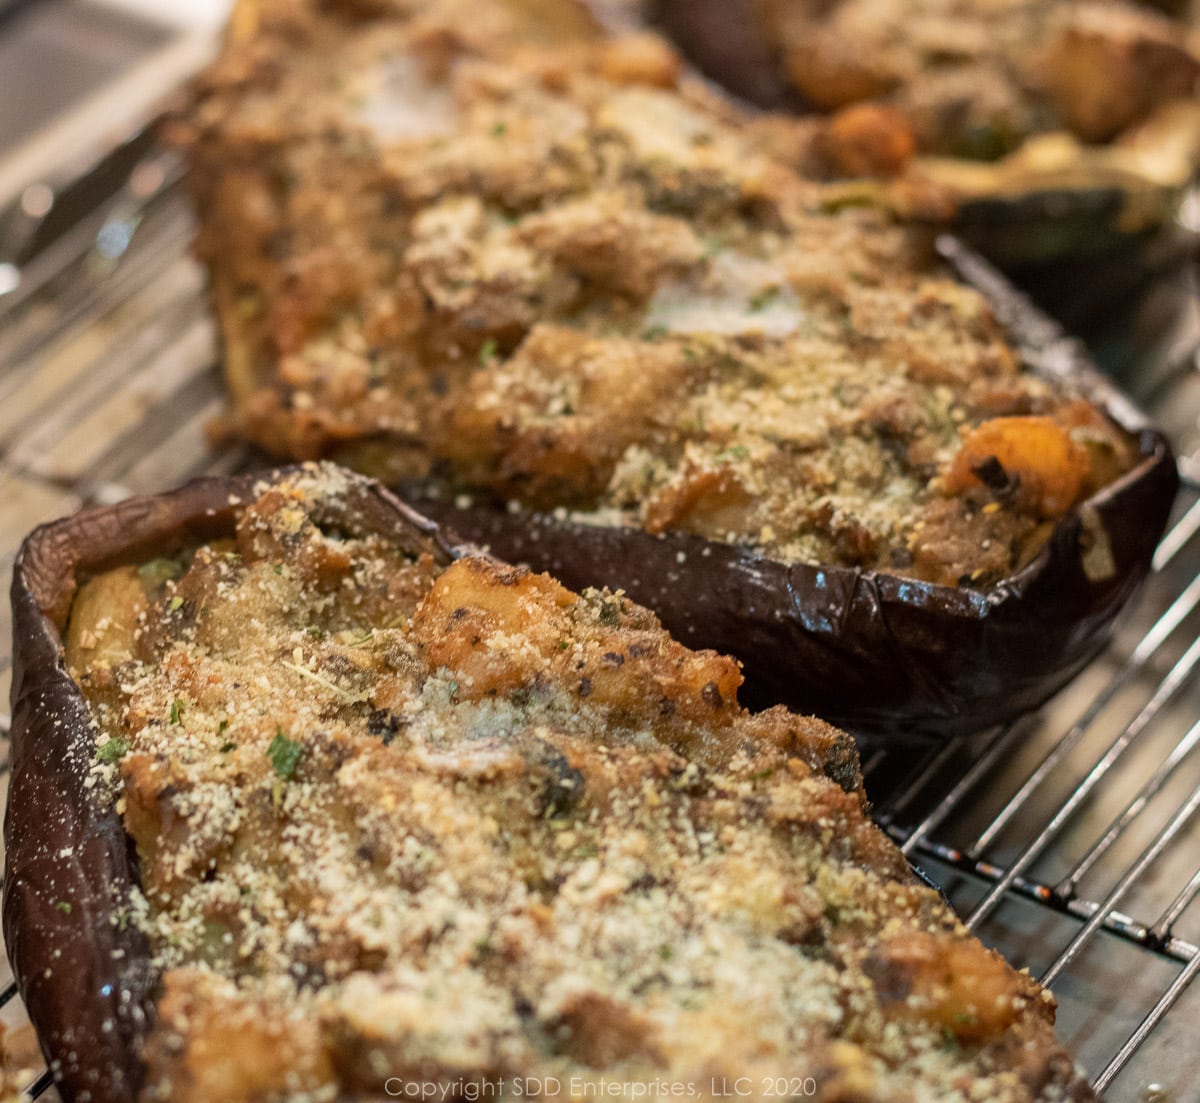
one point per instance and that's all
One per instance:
(1067, 839)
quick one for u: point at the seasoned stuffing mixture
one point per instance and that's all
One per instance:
(977, 78)
(405, 822)
(566, 279)
(20, 1062)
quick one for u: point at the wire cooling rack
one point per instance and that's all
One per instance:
(1068, 840)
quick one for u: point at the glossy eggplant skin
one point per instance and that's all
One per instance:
(86, 976)
(885, 656)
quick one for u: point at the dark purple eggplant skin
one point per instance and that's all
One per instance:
(728, 43)
(886, 657)
(85, 976)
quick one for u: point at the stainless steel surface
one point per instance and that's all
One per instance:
(84, 44)
(1069, 840)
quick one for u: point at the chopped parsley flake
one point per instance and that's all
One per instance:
(487, 354)
(112, 751)
(760, 300)
(155, 572)
(64, 907)
(284, 754)
(176, 603)
(176, 711)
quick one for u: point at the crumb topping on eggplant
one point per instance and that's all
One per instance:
(975, 79)
(398, 821)
(573, 280)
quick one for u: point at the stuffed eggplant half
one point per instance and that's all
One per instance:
(880, 651)
(577, 284)
(1059, 128)
(308, 804)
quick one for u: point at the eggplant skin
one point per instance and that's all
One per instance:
(85, 977)
(64, 852)
(887, 657)
(880, 655)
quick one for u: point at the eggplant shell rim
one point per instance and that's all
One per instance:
(1131, 511)
(85, 977)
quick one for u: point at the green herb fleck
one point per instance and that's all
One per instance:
(63, 907)
(315, 631)
(453, 688)
(176, 711)
(499, 130)
(610, 614)
(279, 568)
(113, 751)
(762, 299)
(520, 696)
(666, 952)
(222, 727)
(155, 572)
(284, 754)
(563, 644)
(655, 333)
(227, 747)
(762, 774)
(950, 1040)
(487, 353)
(737, 452)
(176, 603)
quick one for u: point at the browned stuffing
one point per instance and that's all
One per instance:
(976, 79)
(396, 820)
(570, 279)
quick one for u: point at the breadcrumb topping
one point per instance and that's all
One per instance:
(573, 279)
(399, 821)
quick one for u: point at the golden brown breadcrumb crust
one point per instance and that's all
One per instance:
(563, 277)
(398, 822)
